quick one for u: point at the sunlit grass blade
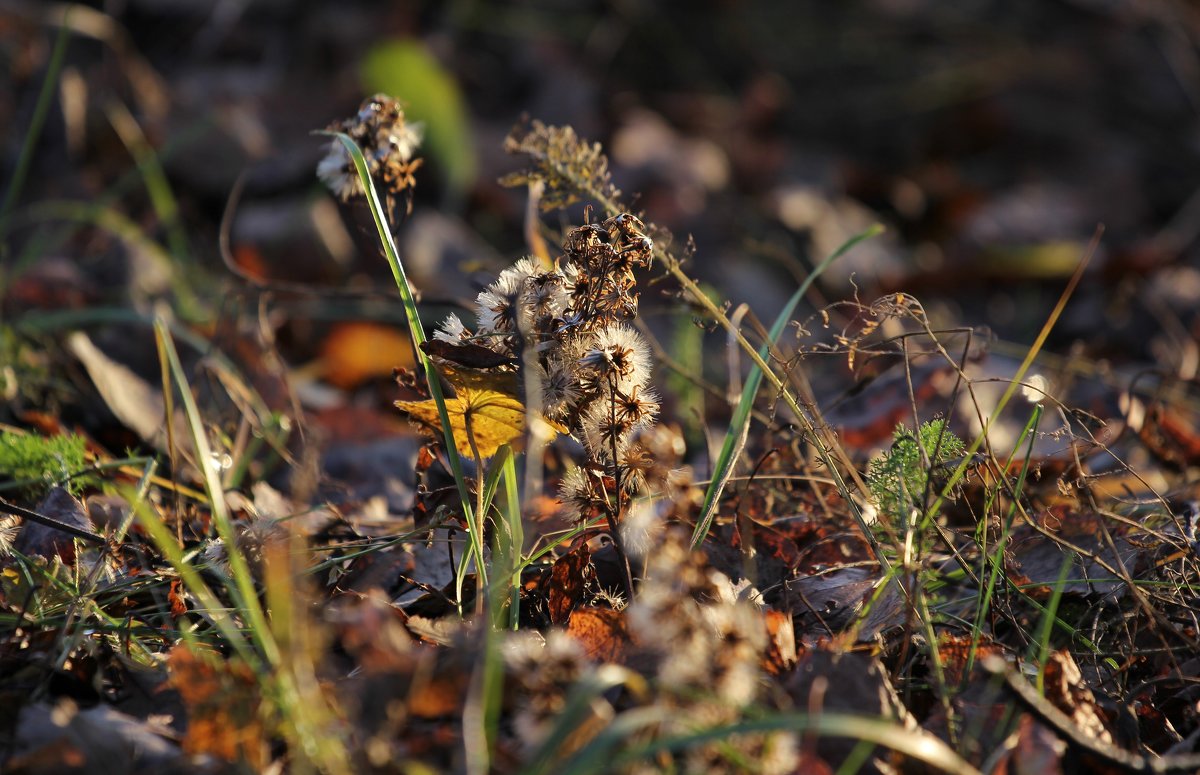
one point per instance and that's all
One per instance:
(243, 589)
(162, 199)
(1051, 320)
(739, 424)
(417, 332)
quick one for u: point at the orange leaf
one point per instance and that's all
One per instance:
(354, 352)
(222, 701)
(602, 633)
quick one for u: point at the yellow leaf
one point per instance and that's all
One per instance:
(495, 418)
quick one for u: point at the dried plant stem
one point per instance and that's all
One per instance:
(480, 517)
(614, 515)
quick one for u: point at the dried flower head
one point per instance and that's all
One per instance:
(541, 672)
(388, 143)
(452, 330)
(591, 369)
(619, 356)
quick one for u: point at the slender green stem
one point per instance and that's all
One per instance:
(41, 109)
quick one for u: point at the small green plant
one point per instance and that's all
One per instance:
(899, 479)
(32, 463)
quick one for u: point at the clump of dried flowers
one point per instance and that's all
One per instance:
(591, 367)
(388, 144)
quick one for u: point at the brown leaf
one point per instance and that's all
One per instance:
(1037, 750)
(1066, 690)
(568, 577)
(46, 541)
(953, 650)
(175, 598)
(468, 354)
(780, 655)
(602, 632)
(222, 703)
(138, 404)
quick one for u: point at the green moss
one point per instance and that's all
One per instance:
(34, 463)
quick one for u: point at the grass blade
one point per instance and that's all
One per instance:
(739, 424)
(40, 111)
(417, 332)
(243, 589)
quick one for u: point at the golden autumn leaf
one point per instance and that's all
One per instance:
(495, 418)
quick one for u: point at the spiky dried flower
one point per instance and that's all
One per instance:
(562, 161)
(578, 490)
(388, 143)
(541, 671)
(619, 356)
(560, 389)
(592, 370)
(452, 330)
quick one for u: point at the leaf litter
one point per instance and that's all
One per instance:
(1042, 619)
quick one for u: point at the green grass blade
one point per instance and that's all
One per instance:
(417, 332)
(511, 513)
(1046, 625)
(158, 188)
(997, 556)
(41, 109)
(243, 588)
(739, 424)
(214, 609)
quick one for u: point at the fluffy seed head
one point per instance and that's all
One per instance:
(618, 353)
(451, 330)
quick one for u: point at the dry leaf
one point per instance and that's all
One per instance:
(568, 578)
(354, 352)
(222, 703)
(602, 632)
(47, 541)
(495, 418)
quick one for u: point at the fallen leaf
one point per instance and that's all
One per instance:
(66, 738)
(175, 598)
(47, 541)
(568, 577)
(1037, 750)
(495, 418)
(358, 351)
(1066, 689)
(602, 632)
(780, 654)
(469, 354)
(222, 701)
(135, 402)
